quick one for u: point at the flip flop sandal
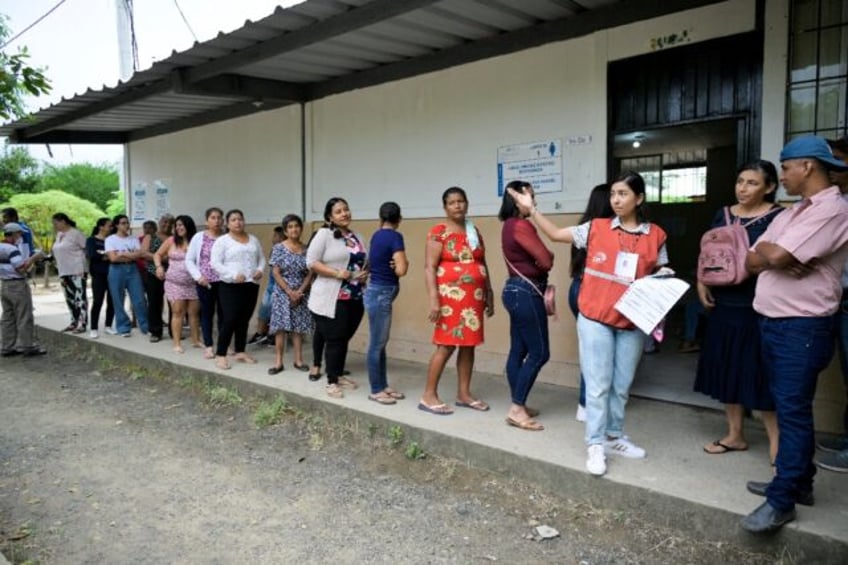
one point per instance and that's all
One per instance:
(334, 391)
(349, 383)
(222, 363)
(478, 405)
(532, 412)
(438, 409)
(530, 424)
(382, 398)
(724, 448)
(394, 394)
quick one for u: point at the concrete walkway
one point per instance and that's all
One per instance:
(677, 484)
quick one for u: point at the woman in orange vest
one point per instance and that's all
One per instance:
(619, 250)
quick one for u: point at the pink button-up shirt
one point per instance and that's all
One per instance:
(814, 228)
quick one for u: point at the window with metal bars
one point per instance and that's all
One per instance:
(817, 90)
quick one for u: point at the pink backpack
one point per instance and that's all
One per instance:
(723, 249)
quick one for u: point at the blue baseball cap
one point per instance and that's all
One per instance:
(812, 147)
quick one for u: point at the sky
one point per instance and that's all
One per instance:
(78, 46)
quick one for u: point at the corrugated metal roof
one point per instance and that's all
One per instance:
(314, 49)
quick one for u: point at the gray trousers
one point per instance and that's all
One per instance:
(17, 324)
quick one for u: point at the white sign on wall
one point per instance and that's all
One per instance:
(163, 197)
(139, 203)
(539, 163)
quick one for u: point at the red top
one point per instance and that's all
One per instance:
(523, 248)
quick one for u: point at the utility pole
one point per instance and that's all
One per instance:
(124, 16)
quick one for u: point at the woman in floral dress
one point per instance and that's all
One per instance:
(180, 288)
(289, 312)
(460, 293)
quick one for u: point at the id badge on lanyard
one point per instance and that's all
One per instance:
(625, 265)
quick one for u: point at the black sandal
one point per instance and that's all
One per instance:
(275, 370)
(315, 376)
(303, 368)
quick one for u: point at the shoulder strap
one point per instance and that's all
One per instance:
(519, 273)
(763, 215)
(727, 215)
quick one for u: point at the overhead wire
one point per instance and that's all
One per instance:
(185, 19)
(33, 24)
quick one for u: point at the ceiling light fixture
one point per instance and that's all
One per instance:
(637, 140)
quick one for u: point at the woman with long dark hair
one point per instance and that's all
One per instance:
(69, 252)
(337, 256)
(199, 265)
(123, 250)
(238, 259)
(528, 263)
(98, 267)
(180, 289)
(729, 367)
(620, 250)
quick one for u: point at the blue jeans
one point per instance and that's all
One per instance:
(608, 357)
(529, 345)
(842, 346)
(378, 305)
(264, 313)
(795, 351)
(573, 293)
(124, 277)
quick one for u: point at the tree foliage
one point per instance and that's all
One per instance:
(116, 206)
(37, 211)
(95, 183)
(19, 172)
(17, 79)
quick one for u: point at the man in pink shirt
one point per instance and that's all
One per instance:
(799, 259)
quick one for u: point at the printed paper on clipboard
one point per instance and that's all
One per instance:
(647, 300)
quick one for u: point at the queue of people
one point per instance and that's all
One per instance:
(767, 336)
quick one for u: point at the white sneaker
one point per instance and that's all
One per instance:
(110, 331)
(581, 414)
(93, 334)
(624, 447)
(596, 461)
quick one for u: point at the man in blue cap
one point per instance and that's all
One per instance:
(17, 324)
(799, 260)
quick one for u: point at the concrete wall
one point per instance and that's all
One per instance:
(251, 163)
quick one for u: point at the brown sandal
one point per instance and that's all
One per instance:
(382, 398)
(529, 424)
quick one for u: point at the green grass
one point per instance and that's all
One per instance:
(218, 395)
(270, 413)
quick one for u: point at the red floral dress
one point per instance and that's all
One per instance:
(461, 282)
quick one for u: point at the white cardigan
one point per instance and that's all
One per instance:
(335, 254)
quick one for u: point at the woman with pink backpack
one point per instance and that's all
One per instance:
(729, 368)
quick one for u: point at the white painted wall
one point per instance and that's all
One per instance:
(411, 139)
(252, 163)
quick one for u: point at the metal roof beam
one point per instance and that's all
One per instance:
(143, 91)
(77, 136)
(586, 22)
(239, 86)
(345, 22)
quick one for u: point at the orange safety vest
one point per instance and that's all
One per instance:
(601, 288)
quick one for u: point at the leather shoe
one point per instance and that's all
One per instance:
(766, 519)
(804, 498)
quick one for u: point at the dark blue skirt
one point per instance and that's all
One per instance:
(729, 368)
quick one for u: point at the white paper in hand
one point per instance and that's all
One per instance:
(647, 300)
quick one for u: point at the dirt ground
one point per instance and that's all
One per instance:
(100, 464)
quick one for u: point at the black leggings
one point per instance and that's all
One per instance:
(99, 291)
(238, 300)
(336, 333)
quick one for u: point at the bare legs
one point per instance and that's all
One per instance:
(735, 438)
(178, 314)
(464, 368)
(279, 348)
